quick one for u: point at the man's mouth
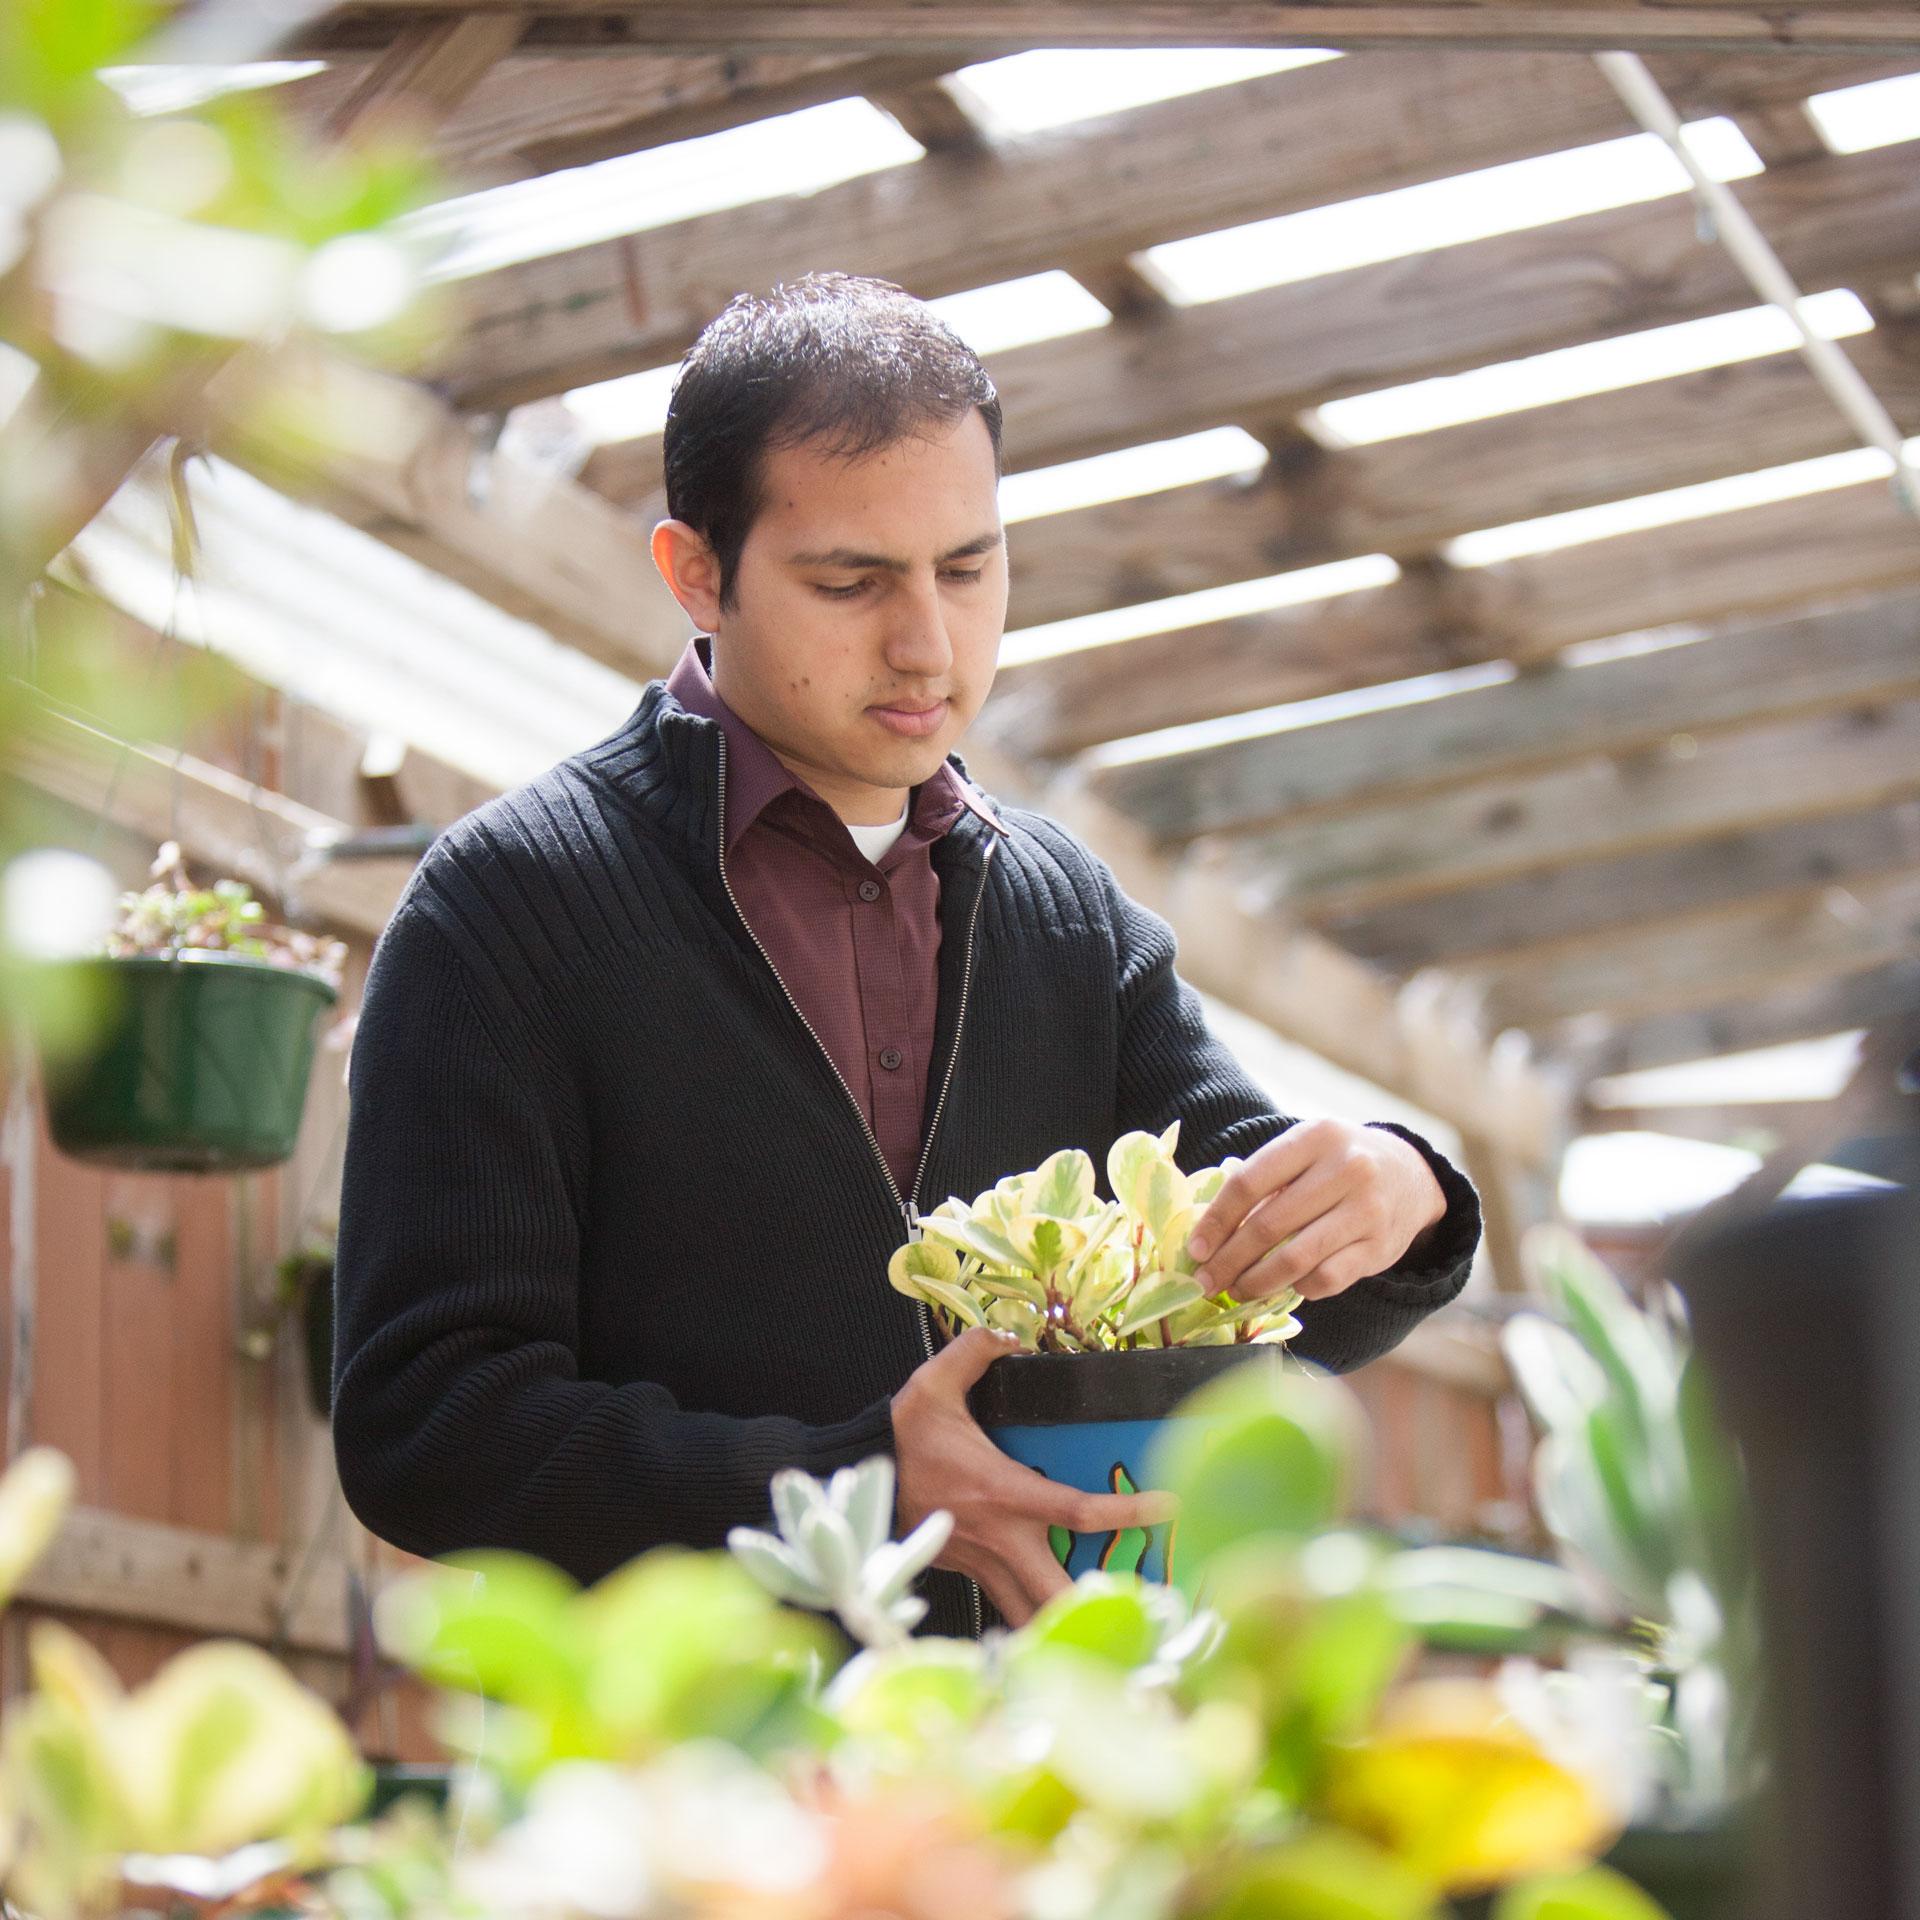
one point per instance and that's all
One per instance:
(912, 720)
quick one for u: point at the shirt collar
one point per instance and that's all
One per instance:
(757, 776)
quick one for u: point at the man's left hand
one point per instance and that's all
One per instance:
(1318, 1207)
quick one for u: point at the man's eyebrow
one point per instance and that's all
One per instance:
(849, 557)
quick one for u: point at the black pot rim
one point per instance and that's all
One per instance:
(1070, 1389)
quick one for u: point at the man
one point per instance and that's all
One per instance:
(661, 1053)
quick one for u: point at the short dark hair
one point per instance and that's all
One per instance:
(849, 363)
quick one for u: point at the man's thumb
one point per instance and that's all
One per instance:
(961, 1362)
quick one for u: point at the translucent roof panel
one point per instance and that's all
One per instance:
(1879, 114)
(784, 154)
(302, 601)
(1444, 213)
(1571, 373)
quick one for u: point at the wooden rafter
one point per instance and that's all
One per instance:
(1848, 655)
(1593, 808)
(1866, 921)
(1560, 908)
(223, 822)
(963, 26)
(1412, 493)
(976, 213)
(1289, 347)
(1803, 1011)
(1751, 561)
(540, 113)
(531, 541)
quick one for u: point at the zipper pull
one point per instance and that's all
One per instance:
(912, 1216)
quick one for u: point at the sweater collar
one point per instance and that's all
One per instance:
(666, 758)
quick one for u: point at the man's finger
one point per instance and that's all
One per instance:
(1339, 1271)
(1082, 1512)
(1281, 1160)
(961, 1362)
(1285, 1266)
(1287, 1216)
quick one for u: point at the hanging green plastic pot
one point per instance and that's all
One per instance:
(200, 1064)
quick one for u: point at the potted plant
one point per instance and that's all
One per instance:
(1102, 1298)
(306, 1292)
(209, 1016)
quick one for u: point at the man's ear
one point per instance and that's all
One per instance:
(692, 573)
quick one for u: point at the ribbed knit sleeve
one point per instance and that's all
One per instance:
(1171, 1064)
(460, 1416)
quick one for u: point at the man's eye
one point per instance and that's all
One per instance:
(843, 593)
(963, 573)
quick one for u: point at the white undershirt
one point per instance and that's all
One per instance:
(874, 841)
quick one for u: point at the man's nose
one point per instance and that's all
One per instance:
(917, 642)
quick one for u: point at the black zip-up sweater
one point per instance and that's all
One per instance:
(613, 1235)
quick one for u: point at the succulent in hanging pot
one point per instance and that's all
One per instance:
(209, 1017)
(1101, 1295)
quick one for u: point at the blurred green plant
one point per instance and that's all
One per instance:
(1041, 1256)
(161, 276)
(678, 1741)
(1637, 1480)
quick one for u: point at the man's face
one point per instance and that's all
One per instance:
(868, 608)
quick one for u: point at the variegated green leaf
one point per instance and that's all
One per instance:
(1156, 1298)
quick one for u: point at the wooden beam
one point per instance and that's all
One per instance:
(533, 542)
(1804, 1011)
(205, 1584)
(1594, 808)
(422, 77)
(963, 27)
(1406, 1040)
(1729, 1122)
(1411, 494)
(974, 213)
(1560, 907)
(1844, 656)
(222, 821)
(1829, 546)
(1864, 922)
(538, 113)
(1288, 347)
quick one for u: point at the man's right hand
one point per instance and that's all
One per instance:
(1001, 1510)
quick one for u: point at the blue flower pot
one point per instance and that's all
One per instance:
(1089, 1420)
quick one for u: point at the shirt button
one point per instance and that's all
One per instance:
(890, 1058)
(869, 889)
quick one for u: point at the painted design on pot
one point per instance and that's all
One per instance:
(1127, 1549)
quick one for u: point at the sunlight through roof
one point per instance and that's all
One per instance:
(1194, 609)
(1879, 114)
(1444, 213)
(631, 407)
(171, 89)
(1571, 373)
(1016, 313)
(785, 154)
(1052, 86)
(1289, 716)
(1130, 472)
(1760, 488)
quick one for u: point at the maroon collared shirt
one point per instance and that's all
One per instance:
(856, 943)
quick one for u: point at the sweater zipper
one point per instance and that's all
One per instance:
(908, 1209)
